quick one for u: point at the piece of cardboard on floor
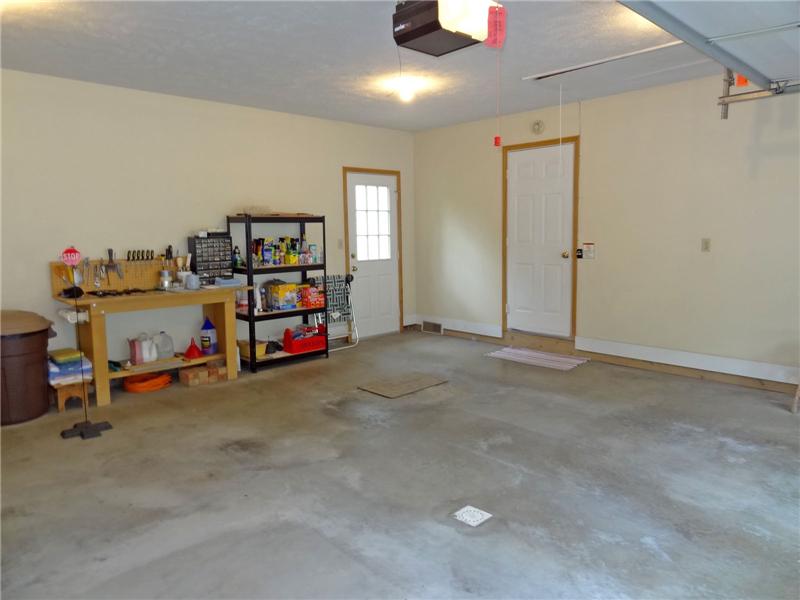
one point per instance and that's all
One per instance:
(401, 385)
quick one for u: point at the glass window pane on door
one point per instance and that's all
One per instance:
(361, 197)
(385, 250)
(383, 223)
(373, 223)
(374, 252)
(372, 197)
(361, 222)
(383, 198)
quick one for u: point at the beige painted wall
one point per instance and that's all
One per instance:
(659, 171)
(100, 166)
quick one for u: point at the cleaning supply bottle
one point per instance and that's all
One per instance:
(208, 338)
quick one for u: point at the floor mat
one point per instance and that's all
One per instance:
(539, 359)
(401, 385)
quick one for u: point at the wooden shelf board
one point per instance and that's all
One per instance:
(165, 364)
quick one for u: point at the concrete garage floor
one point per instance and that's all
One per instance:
(605, 482)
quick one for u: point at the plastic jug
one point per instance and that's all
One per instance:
(164, 345)
(208, 338)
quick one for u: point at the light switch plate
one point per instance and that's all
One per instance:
(588, 250)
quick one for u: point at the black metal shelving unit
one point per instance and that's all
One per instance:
(251, 271)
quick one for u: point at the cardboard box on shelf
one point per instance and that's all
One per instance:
(282, 296)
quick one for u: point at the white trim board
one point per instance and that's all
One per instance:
(411, 320)
(486, 329)
(704, 362)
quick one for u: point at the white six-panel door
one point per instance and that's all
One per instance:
(373, 247)
(540, 244)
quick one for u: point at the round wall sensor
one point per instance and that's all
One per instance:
(537, 127)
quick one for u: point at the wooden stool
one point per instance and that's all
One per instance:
(64, 392)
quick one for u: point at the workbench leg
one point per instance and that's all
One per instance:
(223, 316)
(92, 336)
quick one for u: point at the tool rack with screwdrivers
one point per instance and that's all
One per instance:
(112, 276)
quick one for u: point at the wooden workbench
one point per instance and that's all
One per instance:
(218, 305)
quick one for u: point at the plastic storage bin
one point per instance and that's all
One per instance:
(300, 345)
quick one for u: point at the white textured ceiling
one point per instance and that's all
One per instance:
(776, 55)
(318, 58)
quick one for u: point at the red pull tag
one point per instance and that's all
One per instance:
(498, 141)
(497, 27)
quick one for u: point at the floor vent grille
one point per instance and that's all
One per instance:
(431, 327)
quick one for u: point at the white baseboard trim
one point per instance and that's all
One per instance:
(411, 320)
(704, 362)
(464, 326)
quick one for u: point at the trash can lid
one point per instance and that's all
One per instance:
(17, 322)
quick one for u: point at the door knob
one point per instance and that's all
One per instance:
(352, 255)
(355, 268)
(565, 254)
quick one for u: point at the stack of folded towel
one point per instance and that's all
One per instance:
(68, 366)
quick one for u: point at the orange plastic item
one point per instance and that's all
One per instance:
(148, 382)
(193, 351)
(741, 80)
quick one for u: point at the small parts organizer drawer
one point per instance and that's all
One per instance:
(212, 257)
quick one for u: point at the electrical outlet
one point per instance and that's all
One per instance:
(705, 245)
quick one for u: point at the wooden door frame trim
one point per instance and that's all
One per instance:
(366, 171)
(576, 140)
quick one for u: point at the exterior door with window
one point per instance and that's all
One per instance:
(374, 260)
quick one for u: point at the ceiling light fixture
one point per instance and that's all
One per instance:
(470, 17)
(438, 28)
(406, 87)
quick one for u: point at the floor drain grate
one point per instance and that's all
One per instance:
(472, 516)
